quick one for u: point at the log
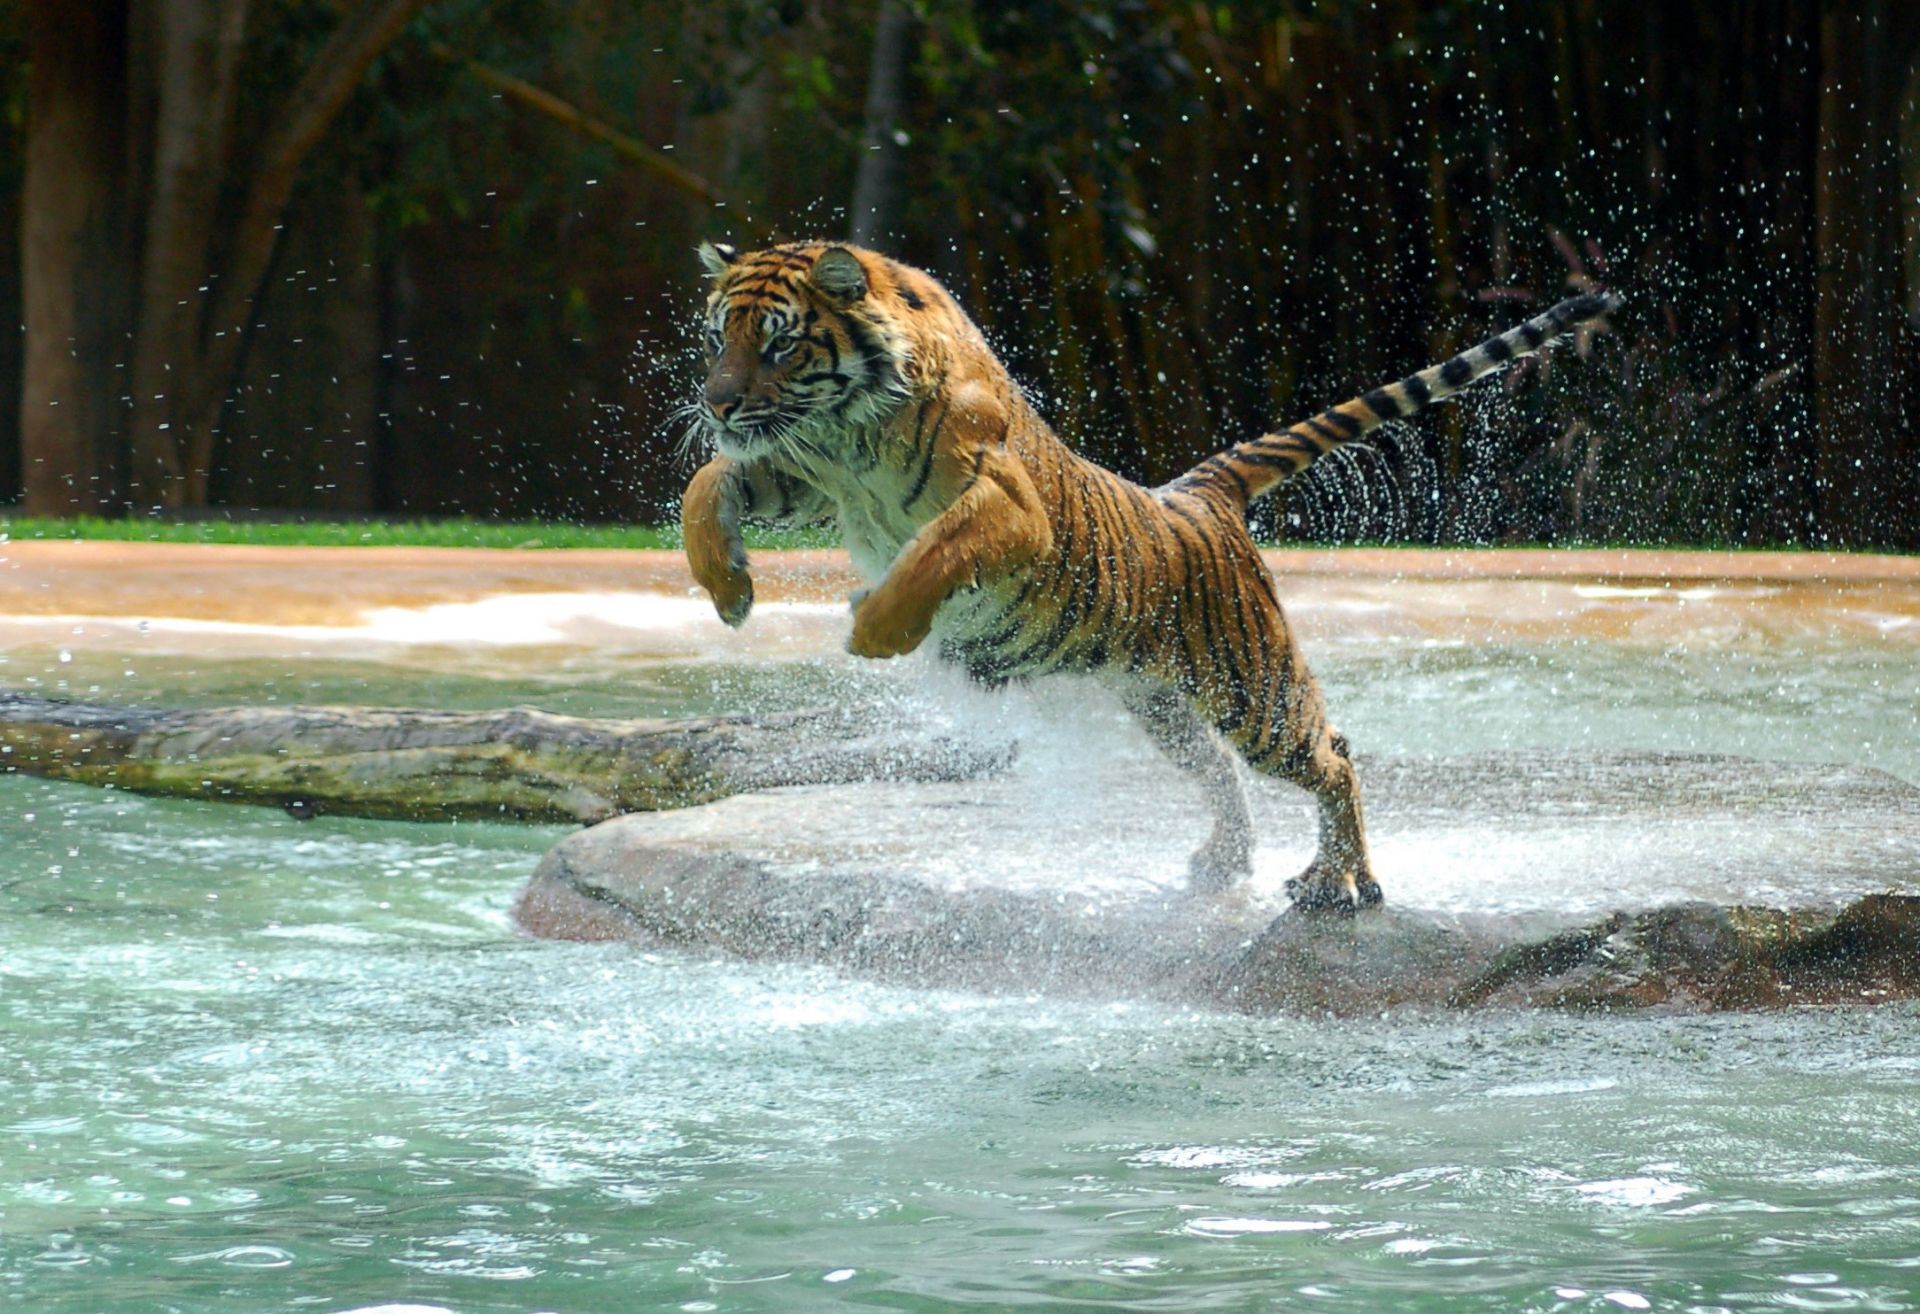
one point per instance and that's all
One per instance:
(519, 764)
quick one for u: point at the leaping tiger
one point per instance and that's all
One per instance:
(845, 385)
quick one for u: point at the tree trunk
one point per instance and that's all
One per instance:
(515, 765)
(196, 57)
(109, 210)
(75, 266)
(1861, 439)
(301, 122)
(876, 185)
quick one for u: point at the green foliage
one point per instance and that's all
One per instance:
(1181, 223)
(454, 533)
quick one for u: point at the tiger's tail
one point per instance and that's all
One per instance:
(1250, 470)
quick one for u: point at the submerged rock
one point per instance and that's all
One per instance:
(1009, 885)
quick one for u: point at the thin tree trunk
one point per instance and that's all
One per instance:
(310, 109)
(547, 105)
(197, 56)
(876, 186)
(75, 266)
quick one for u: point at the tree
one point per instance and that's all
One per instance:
(876, 185)
(1863, 440)
(147, 234)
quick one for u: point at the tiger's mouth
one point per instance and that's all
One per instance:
(739, 437)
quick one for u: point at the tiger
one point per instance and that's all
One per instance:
(843, 386)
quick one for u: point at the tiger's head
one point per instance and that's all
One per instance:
(800, 346)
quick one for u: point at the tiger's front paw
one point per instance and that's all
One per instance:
(719, 565)
(732, 597)
(886, 623)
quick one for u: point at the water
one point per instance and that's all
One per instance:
(251, 1064)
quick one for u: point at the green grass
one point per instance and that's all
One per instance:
(557, 534)
(382, 533)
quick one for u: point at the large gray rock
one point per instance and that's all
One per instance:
(1602, 880)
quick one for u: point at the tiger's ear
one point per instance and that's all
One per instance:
(838, 272)
(716, 256)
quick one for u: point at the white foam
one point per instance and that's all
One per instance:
(1634, 1192)
(1253, 1226)
(655, 620)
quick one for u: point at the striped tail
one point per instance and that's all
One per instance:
(1252, 469)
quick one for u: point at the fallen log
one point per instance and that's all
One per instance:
(416, 765)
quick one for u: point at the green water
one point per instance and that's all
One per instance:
(254, 1064)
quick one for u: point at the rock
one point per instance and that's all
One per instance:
(421, 765)
(1018, 884)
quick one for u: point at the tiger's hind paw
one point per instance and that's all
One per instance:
(1319, 890)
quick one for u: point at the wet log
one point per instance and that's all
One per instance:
(1746, 885)
(416, 765)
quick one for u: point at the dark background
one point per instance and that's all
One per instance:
(427, 257)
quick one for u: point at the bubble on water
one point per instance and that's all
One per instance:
(65, 656)
(1253, 1226)
(250, 1257)
(1633, 1191)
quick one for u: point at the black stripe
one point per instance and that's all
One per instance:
(1417, 391)
(1225, 467)
(1255, 456)
(1383, 403)
(973, 476)
(1119, 594)
(1212, 582)
(1533, 334)
(872, 356)
(926, 462)
(1456, 371)
(1316, 429)
(1044, 648)
(827, 341)
(748, 290)
(1349, 426)
(1497, 349)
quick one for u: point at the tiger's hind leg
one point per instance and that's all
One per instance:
(1226, 858)
(1339, 878)
(1298, 746)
